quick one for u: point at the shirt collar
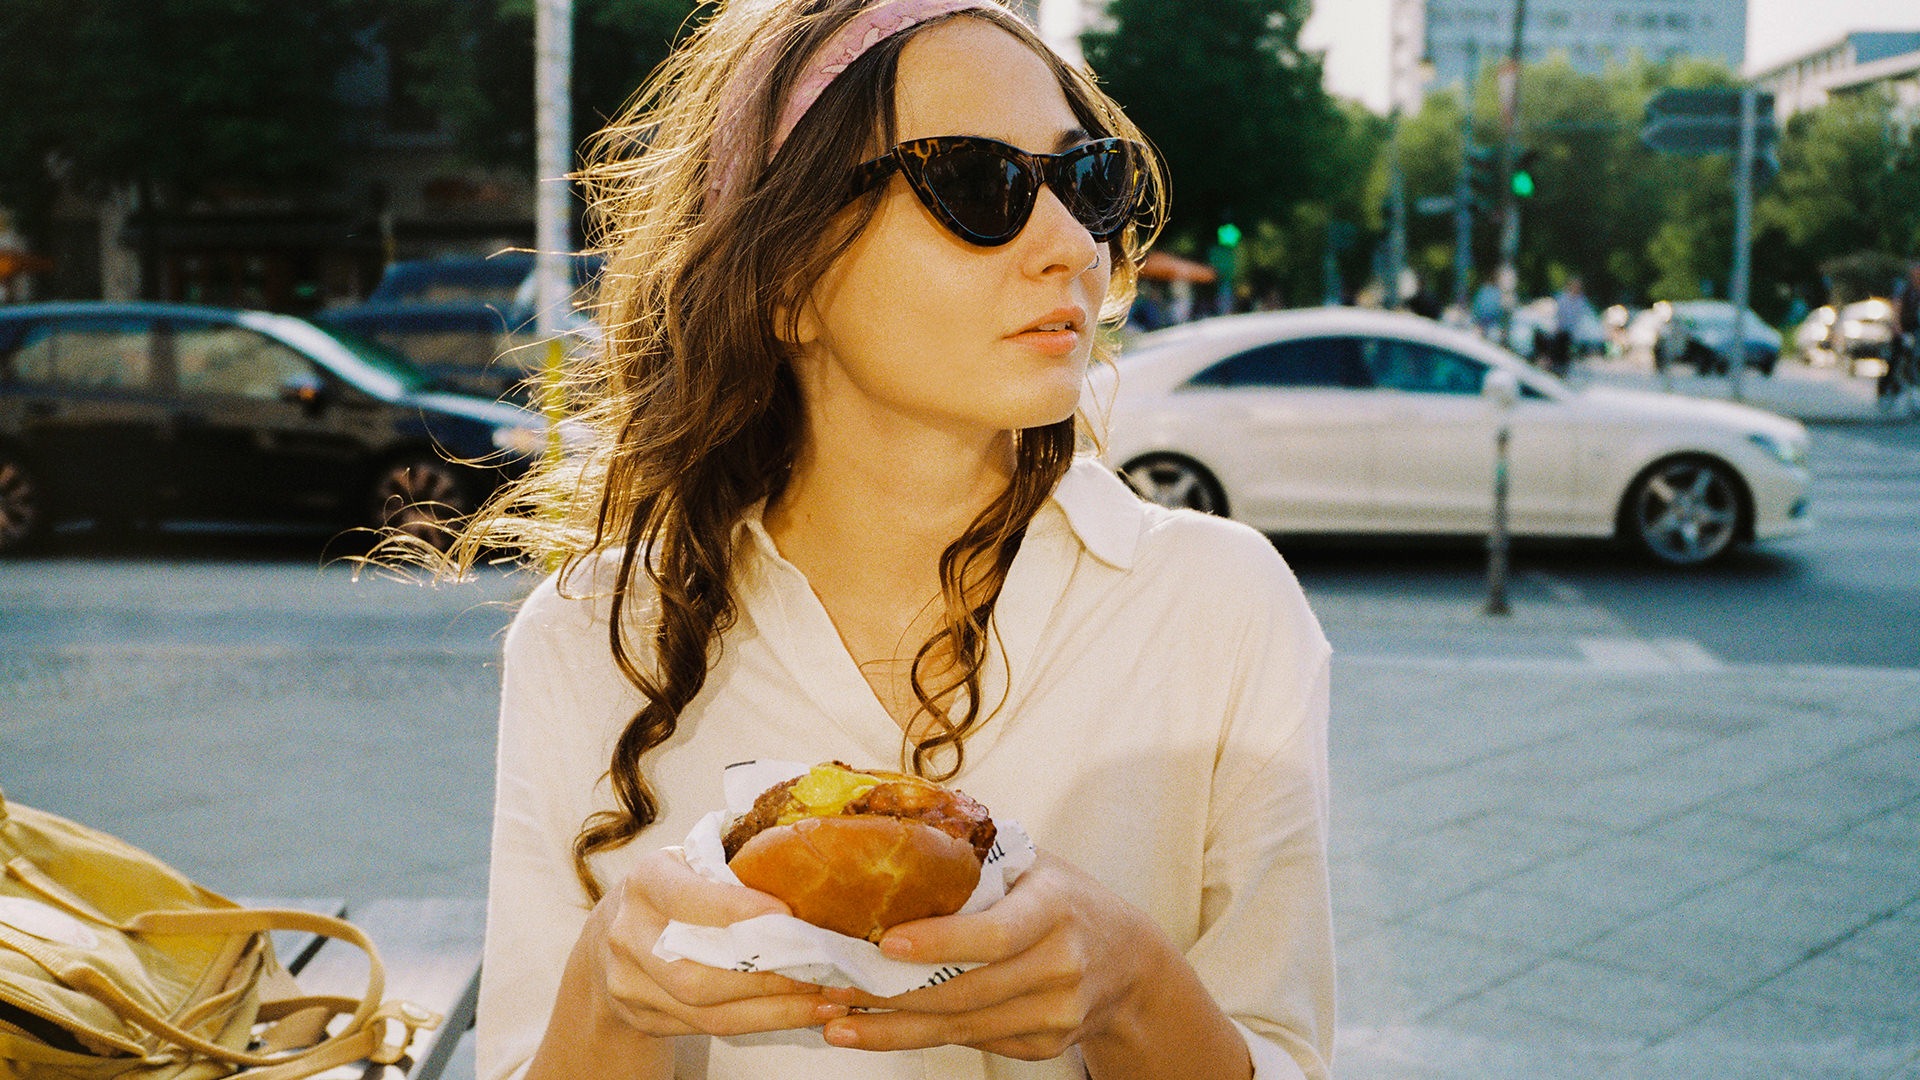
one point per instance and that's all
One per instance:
(1102, 511)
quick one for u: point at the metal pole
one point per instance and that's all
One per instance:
(1330, 269)
(553, 160)
(1463, 191)
(553, 206)
(1743, 234)
(1397, 233)
(1509, 205)
(1497, 536)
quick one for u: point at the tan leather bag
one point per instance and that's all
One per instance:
(113, 964)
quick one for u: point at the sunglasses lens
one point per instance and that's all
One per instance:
(982, 193)
(1099, 188)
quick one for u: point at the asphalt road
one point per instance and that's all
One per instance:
(1846, 594)
(274, 726)
(144, 679)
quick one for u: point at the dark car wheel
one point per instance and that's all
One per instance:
(20, 509)
(1176, 483)
(1684, 511)
(421, 497)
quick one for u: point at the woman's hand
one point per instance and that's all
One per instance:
(660, 998)
(1068, 963)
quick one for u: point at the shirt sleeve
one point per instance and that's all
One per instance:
(536, 906)
(1266, 947)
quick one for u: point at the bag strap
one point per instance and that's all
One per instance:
(363, 1037)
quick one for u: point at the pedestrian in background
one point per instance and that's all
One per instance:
(830, 507)
(1571, 313)
(1489, 308)
(1906, 323)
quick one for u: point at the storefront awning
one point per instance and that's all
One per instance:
(1160, 266)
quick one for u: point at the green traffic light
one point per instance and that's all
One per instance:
(1523, 184)
(1228, 235)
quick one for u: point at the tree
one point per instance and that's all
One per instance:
(472, 61)
(168, 96)
(1224, 90)
(1849, 185)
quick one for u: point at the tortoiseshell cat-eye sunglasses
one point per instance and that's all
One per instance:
(983, 190)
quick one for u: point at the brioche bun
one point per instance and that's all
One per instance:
(858, 852)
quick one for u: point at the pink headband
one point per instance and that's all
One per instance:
(872, 26)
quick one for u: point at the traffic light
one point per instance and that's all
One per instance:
(1522, 179)
(1228, 235)
(1483, 176)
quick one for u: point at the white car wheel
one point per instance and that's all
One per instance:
(1684, 511)
(1175, 483)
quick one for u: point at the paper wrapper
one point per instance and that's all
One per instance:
(800, 950)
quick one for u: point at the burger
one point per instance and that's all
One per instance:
(859, 851)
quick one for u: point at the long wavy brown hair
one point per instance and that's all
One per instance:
(689, 414)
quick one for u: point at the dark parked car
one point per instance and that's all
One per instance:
(1700, 333)
(469, 321)
(466, 345)
(124, 413)
(491, 279)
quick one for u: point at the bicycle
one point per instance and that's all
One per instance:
(1898, 392)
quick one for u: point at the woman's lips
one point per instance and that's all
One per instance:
(1050, 342)
(1057, 333)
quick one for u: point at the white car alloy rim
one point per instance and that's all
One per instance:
(1172, 484)
(1687, 511)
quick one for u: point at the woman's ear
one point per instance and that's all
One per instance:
(797, 328)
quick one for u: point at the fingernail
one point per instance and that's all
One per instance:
(840, 994)
(897, 947)
(841, 1034)
(828, 1010)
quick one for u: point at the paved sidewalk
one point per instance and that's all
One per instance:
(1561, 851)
(1822, 395)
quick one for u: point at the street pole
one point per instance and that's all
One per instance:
(553, 205)
(1509, 152)
(1743, 233)
(1502, 392)
(553, 158)
(1463, 191)
(1397, 233)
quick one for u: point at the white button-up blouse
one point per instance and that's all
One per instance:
(1163, 727)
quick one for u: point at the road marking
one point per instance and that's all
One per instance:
(1564, 592)
(1689, 655)
(1647, 654)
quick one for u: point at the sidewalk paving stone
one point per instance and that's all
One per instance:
(1665, 860)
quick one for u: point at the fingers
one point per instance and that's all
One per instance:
(675, 890)
(680, 997)
(745, 1016)
(1023, 917)
(1032, 1027)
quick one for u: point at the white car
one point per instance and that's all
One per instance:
(1341, 420)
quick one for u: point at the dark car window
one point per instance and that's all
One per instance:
(86, 354)
(1421, 369)
(1328, 361)
(213, 358)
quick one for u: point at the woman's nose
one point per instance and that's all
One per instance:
(1056, 241)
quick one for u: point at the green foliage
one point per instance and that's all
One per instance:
(176, 94)
(1638, 225)
(472, 61)
(1225, 91)
(1849, 186)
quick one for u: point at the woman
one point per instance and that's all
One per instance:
(856, 251)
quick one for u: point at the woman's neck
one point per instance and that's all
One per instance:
(885, 509)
